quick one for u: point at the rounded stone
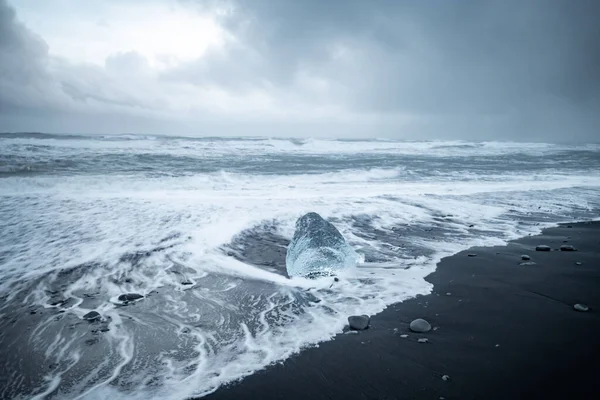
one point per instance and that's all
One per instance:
(581, 307)
(130, 297)
(542, 247)
(525, 257)
(567, 247)
(92, 316)
(419, 325)
(359, 322)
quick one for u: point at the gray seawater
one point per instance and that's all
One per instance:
(199, 227)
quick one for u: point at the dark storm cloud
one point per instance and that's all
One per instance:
(467, 56)
(463, 69)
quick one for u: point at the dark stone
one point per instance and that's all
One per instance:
(359, 322)
(470, 226)
(567, 247)
(187, 283)
(419, 325)
(542, 247)
(577, 263)
(336, 279)
(186, 330)
(471, 255)
(92, 316)
(525, 257)
(130, 297)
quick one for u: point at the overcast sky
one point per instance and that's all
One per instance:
(406, 69)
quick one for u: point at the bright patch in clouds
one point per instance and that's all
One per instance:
(165, 33)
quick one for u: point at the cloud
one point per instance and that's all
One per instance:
(470, 69)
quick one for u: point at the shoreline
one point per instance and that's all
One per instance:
(501, 330)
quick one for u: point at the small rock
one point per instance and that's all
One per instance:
(404, 336)
(423, 340)
(471, 255)
(359, 322)
(525, 257)
(581, 307)
(336, 279)
(186, 330)
(32, 312)
(445, 377)
(527, 263)
(130, 297)
(419, 325)
(542, 247)
(448, 294)
(470, 226)
(567, 247)
(185, 283)
(577, 263)
(92, 316)
(497, 345)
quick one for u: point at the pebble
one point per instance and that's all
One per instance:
(419, 325)
(542, 247)
(577, 263)
(423, 340)
(359, 322)
(581, 307)
(471, 255)
(130, 297)
(92, 316)
(525, 257)
(404, 336)
(445, 377)
(567, 247)
(527, 263)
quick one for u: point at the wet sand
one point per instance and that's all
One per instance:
(501, 331)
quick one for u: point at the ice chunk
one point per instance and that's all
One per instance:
(318, 249)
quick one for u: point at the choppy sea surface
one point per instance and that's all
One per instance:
(199, 227)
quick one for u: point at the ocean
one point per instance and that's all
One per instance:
(200, 226)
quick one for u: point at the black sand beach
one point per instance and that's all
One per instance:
(501, 331)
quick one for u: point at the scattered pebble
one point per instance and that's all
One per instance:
(423, 340)
(359, 322)
(130, 297)
(542, 247)
(435, 328)
(577, 263)
(527, 263)
(445, 377)
(419, 325)
(567, 247)
(92, 316)
(187, 283)
(404, 336)
(497, 345)
(581, 307)
(448, 294)
(336, 279)
(525, 257)
(471, 255)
